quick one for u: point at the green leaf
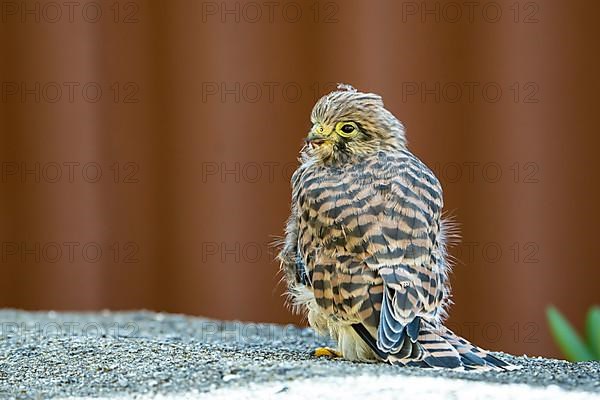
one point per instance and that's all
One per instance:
(592, 330)
(567, 339)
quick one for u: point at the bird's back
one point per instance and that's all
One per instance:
(351, 215)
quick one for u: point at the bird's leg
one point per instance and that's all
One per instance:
(326, 352)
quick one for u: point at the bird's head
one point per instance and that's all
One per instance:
(347, 123)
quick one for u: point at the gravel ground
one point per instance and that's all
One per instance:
(57, 355)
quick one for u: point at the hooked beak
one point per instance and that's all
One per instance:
(314, 139)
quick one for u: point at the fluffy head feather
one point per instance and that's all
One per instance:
(375, 127)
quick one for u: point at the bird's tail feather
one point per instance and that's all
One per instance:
(473, 357)
(441, 348)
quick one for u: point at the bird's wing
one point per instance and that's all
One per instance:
(369, 238)
(405, 248)
(292, 265)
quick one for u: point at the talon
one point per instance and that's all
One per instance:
(326, 352)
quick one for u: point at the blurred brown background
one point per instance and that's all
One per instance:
(146, 148)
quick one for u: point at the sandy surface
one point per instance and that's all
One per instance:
(148, 355)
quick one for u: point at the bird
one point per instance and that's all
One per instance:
(365, 252)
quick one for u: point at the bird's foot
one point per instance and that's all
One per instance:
(326, 352)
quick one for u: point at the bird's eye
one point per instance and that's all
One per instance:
(320, 129)
(346, 129)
